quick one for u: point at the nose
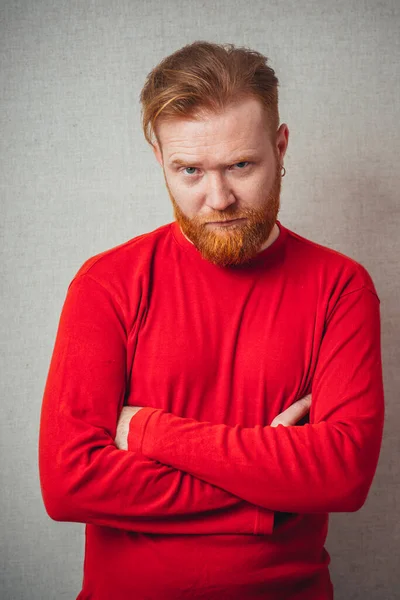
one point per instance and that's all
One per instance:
(219, 194)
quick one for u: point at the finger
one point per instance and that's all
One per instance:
(293, 413)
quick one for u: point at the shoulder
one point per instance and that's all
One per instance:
(333, 268)
(122, 274)
(121, 260)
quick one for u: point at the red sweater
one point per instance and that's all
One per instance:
(210, 502)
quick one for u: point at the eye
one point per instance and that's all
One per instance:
(244, 162)
(184, 169)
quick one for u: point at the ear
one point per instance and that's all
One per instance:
(158, 153)
(282, 140)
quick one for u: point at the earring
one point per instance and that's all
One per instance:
(284, 171)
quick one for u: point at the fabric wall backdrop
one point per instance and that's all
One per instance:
(77, 177)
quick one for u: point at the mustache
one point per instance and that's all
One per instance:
(224, 220)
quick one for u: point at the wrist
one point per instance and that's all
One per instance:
(137, 428)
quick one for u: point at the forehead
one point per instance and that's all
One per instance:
(239, 128)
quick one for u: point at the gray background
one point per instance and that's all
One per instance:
(77, 177)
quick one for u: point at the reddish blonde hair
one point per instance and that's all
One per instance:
(207, 77)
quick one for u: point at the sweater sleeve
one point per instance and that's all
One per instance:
(325, 465)
(84, 477)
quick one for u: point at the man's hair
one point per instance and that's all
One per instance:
(206, 77)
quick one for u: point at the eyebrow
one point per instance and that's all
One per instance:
(184, 163)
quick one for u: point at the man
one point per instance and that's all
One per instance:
(180, 352)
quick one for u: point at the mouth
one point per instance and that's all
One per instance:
(225, 223)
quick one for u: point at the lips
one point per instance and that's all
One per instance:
(222, 222)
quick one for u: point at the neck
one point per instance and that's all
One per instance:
(271, 238)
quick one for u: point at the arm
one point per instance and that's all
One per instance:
(290, 416)
(84, 476)
(324, 466)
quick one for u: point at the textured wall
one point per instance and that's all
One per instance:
(76, 178)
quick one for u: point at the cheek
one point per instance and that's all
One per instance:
(187, 196)
(186, 202)
(255, 189)
(268, 182)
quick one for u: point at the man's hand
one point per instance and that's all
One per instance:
(126, 414)
(288, 417)
(294, 413)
